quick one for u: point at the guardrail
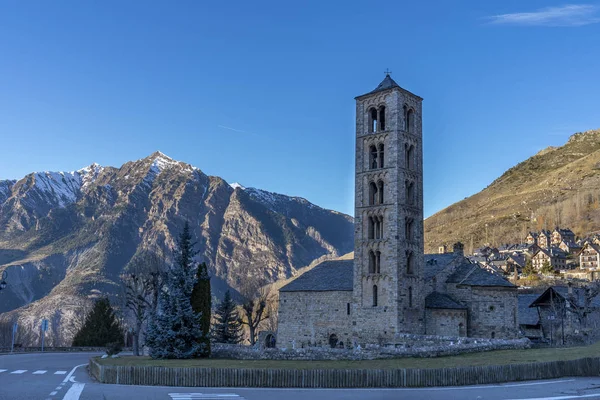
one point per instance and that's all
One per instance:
(337, 378)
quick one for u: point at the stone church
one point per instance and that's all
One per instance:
(391, 287)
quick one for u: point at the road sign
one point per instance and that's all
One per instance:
(44, 325)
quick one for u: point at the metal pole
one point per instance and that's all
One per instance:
(43, 334)
(12, 345)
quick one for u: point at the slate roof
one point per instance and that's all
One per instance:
(473, 275)
(440, 300)
(386, 84)
(333, 275)
(527, 315)
(563, 291)
(518, 259)
(552, 252)
(435, 263)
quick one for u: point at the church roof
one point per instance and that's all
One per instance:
(387, 83)
(333, 275)
(473, 275)
(441, 300)
(436, 263)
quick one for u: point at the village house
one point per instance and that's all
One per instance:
(532, 238)
(589, 256)
(544, 239)
(559, 235)
(515, 262)
(569, 247)
(554, 256)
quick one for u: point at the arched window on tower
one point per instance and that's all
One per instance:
(408, 228)
(372, 193)
(380, 192)
(410, 120)
(410, 296)
(410, 269)
(372, 227)
(381, 163)
(372, 262)
(373, 157)
(410, 192)
(373, 120)
(378, 262)
(382, 118)
(378, 227)
(409, 156)
(375, 296)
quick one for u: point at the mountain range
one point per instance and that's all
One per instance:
(66, 237)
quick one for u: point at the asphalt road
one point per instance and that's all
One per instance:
(57, 376)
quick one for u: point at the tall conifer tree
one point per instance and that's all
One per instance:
(100, 328)
(201, 303)
(227, 326)
(175, 331)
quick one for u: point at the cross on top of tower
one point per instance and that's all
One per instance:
(387, 72)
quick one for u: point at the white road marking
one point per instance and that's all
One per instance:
(3, 370)
(40, 372)
(19, 371)
(564, 397)
(60, 372)
(71, 373)
(75, 391)
(53, 393)
(213, 396)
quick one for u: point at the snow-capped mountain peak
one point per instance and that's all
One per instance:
(236, 185)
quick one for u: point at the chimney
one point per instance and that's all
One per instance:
(458, 249)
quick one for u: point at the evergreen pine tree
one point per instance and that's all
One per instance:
(174, 331)
(528, 270)
(100, 328)
(201, 304)
(547, 269)
(227, 327)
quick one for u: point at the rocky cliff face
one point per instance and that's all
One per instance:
(65, 237)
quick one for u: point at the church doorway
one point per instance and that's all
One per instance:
(270, 341)
(333, 340)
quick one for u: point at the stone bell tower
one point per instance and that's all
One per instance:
(388, 238)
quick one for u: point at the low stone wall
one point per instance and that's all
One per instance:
(348, 378)
(55, 349)
(417, 346)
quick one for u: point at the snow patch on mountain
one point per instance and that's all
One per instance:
(236, 185)
(272, 200)
(5, 189)
(62, 187)
(89, 174)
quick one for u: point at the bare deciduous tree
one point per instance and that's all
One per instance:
(142, 281)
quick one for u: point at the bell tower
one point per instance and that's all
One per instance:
(388, 238)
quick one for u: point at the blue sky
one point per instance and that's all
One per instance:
(262, 92)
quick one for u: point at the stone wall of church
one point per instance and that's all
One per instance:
(492, 311)
(444, 322)
(312, 317)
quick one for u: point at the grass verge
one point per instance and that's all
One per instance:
(499, 357)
